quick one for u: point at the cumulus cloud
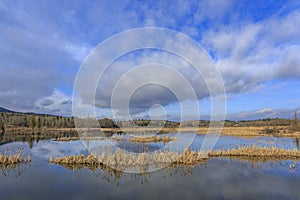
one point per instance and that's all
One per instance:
(251, 54)
(57, 103)
(43, 44)
(34, 55)
(162, 77)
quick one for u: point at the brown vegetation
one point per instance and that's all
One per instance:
(257, 152)
(28, 123)
(127, 159)
(131, 159)
(163, 139)
(13, 159)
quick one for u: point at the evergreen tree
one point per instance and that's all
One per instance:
(39, 124)
(32, 121)
(295, 124)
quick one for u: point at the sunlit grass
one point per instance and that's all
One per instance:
(259, 152)
(12, 159)
(152, 139)
(189, 157)
(123, 158)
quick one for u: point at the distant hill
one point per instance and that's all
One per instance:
(4, 110)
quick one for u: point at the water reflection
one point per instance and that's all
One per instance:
(32, 138)
(214, 179)
(223, 142)
(107, 173)
(297, 144)
(15, 170)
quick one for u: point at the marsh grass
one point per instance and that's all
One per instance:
(257, 152)
(137, 139)
(122, 160)
(131, 159)
(259, 163)
(163, 139)
(13, 159)
(251, 131)
(66, 139)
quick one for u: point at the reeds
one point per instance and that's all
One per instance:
(163, 139)
(123, 158)
(258, 152)
(12, 159)
(66, 139)
(188, 157)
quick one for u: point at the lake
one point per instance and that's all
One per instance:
(214, 179)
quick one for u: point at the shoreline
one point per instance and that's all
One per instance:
(250, 131)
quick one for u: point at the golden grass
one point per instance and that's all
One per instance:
(13, 159)
(65, 139)
(258, 152)
(152, 139)
(242, 131)
(247, 131)
(131, 159)
(127, 159)
(163, 139)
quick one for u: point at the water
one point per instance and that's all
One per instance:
(214, 179)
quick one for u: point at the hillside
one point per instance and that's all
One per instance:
(5, 110)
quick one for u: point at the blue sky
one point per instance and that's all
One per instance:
(255, 45)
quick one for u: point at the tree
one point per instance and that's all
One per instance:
(39, 123)
(25, 121)
(2, 123)
(2, 127)
(295, 124)
(32, 121)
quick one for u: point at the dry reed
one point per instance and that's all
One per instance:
(7, 159)
(258, 152)
(152, 139)
(188, 157)
(131, 159)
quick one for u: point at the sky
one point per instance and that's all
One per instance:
(255, 45)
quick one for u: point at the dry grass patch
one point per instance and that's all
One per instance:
(152, 139)
(122, 160)
(258, 152)
(126, 159)
(66, 139)
(163, 139)
(17, 158)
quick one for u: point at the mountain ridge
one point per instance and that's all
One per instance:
(5, 110)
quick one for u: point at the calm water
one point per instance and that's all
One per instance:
(215, 179)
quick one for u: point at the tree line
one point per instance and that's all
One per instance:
(43, 121)
(31, 120)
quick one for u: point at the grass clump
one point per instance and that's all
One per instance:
(152, 139)
(126, 159)
(13, 159)
(123, 159)
(259, 152)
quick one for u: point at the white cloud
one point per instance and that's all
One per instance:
(253, 53)
(263, 114)
(57, 103)
(43, 44)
